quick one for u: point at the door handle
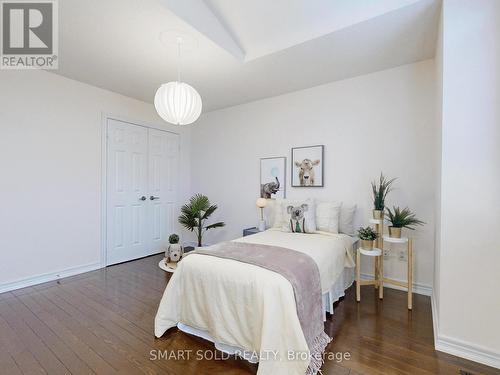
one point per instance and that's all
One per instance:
(143, 198)
(152, 197)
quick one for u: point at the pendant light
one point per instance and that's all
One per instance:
(177, 102)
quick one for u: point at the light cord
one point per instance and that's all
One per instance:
(179, 41)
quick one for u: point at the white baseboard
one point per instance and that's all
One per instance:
(461, 348)
(418, 288)
(435, 320)
(46, 277)
(466, 350)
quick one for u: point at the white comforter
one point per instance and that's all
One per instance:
(247, 306)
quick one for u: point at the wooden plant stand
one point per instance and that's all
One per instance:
(378, 252)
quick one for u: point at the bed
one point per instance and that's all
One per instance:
(248, 310)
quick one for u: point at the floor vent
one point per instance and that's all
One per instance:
(465, 372)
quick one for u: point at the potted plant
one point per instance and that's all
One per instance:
(380, 192)
(367, 236)
(174, 250)
(195, 213)
(401, 219)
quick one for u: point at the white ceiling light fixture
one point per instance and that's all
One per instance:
(177, 102)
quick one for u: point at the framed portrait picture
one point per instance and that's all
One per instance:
(272, 177)
(308, 166)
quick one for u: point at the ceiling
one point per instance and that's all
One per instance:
(244, 50)
(262, 27)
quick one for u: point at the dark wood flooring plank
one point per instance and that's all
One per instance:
(5, 296)
(92, 333)
(33, 343)
(116, 337)
(134, 279)
(78, 339)
(368, 332)
(102, 322)
(9, 343)
(124, 330)
(156, 281)
(129, 309)
(101, 314)
(139, 291)
(70, 360)
(116, 288)
(8, 365)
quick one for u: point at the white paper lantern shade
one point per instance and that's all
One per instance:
(178, 103)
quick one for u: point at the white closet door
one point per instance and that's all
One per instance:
(163, 176)
(142, 175)
(127, 192)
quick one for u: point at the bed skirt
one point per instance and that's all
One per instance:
(337, 290)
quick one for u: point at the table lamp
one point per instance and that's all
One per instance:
(261, 203)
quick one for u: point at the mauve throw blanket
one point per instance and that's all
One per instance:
(302, 273)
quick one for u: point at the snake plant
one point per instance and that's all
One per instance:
(380, 191)
(402, 218)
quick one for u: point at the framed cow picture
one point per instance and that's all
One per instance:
(272, 177)
(308, 166)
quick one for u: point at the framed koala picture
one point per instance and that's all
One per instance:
(272, 177)
(308, 166)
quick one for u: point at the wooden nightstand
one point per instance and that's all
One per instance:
(250, 231)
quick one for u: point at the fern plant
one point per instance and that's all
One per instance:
(380, 191)
(195, 213)
(403, 218)
(367, 234)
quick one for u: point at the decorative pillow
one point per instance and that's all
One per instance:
(327, 216)
(299, 216)
(346, 222)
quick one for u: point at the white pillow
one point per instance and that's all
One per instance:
(346, 222)
(299, 216)
(277, 214)
(327, 216)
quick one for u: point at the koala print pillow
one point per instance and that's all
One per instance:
(299, 216)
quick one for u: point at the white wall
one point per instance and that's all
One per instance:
(469, 259)
(438, 65)
(378, 122)
(50, 163)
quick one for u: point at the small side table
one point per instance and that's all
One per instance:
(250, 231)
(377, 281)
(409, 283)
(187, 249)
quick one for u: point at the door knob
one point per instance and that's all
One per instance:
(152, 197)
(143, 198)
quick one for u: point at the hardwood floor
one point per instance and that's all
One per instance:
(101, 322)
